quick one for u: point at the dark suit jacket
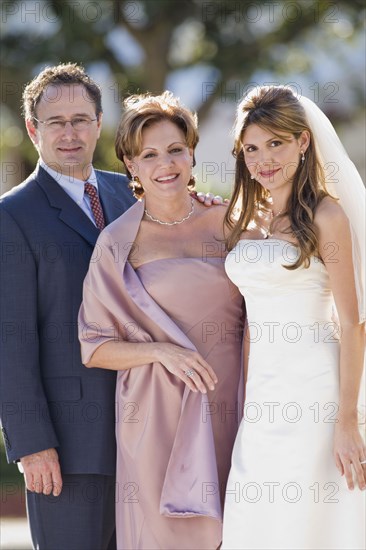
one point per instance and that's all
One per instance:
(48, 398)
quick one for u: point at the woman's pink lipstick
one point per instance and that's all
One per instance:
(269, 173)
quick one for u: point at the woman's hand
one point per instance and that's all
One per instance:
(187, 365)
(209, 199)
(350, 451)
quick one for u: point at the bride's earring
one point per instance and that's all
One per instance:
(302, 157)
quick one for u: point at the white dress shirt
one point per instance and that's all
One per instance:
(74, 187)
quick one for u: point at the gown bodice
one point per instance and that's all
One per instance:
(274, 293)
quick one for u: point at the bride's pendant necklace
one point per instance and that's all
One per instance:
(268, 231)
(177, 222)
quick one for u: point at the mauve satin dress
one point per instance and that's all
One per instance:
(173, 445)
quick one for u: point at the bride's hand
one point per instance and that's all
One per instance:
(350, 451)
(188, 365)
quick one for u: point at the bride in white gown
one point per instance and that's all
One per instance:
(299, 463)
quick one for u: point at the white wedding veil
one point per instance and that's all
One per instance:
(344, 182)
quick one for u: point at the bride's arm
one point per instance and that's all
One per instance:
(335, 247)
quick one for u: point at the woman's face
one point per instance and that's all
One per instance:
(272, 160)
(164, 164)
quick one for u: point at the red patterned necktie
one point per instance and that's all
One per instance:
(96, 207)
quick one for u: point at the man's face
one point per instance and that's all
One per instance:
(66, 149)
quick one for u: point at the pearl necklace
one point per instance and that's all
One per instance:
(171, 223)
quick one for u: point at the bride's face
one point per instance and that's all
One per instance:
(164, 164)
(272, 160)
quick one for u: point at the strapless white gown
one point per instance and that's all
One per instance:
(284, 490)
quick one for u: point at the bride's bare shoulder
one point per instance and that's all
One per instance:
(329, 211)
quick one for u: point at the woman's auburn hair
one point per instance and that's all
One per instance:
(142, 111)
(277, 110)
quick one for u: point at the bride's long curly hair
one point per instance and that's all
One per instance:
(276, 109)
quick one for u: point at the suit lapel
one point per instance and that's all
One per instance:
(69, 212)
(111, 205)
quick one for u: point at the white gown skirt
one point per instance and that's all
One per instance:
(284, 490)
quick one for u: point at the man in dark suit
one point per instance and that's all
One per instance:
(57, 416)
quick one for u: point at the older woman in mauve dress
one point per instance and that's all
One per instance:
(159, 308)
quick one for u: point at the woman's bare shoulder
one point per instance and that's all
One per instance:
(329, 211)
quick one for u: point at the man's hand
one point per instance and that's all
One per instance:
(42, 472)
(208, 199)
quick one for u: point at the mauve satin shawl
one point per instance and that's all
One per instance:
(116, 306)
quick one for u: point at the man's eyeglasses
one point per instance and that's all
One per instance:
(78, 123)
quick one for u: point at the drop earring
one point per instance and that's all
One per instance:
(136, 186)
(302, 156)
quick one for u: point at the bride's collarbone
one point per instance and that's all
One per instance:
(257, 235)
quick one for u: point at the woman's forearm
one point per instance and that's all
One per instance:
(120, 356)
(123, 355)
(351, 367)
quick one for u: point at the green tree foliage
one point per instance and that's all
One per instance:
(233, 38)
